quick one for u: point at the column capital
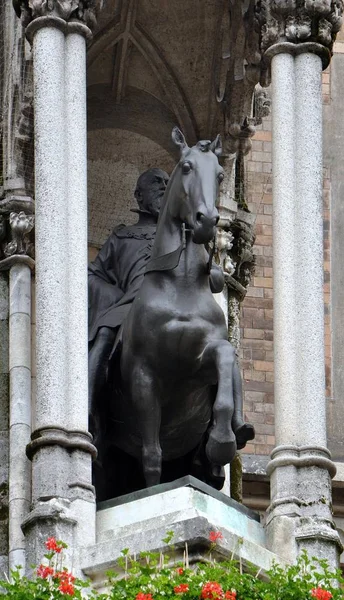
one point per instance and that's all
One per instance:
(292, 26)
(71, 11)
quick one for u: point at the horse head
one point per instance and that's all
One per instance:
(194, 186)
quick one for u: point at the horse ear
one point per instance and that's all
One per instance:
(216, 145)
(178, 138)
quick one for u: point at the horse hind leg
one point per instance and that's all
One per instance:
(148, 413)
(221, 445)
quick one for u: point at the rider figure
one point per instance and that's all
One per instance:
(115, 277)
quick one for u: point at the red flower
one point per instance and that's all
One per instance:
(65, 576)
(180, 571)
(230, 595)
(321, 594)
(215, 535)
(212, 591)
(66, 588)
(44, 571)
(180, 589)
(142, 596)
(53, 545)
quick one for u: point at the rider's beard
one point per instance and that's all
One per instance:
(154, 204)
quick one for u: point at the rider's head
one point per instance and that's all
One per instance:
(150, 188)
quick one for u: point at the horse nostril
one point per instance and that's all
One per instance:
(217, 219)
(199, 217)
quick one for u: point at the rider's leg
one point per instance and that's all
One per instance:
(221, 445)
(98, 358)
(243, 431)
(148, 412)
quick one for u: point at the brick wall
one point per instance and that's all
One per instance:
(257, 314)
(257, 310)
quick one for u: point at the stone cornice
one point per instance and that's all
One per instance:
(75, 11)
(286, 24)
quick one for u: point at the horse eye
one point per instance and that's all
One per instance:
(186, 168)
(220, 177)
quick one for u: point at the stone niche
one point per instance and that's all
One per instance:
(116, 158)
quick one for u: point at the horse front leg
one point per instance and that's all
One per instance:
(221, 445)
(148, 412)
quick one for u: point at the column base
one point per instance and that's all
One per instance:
(300, 514)
(48, 519)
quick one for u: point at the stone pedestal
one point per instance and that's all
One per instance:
(187, 506)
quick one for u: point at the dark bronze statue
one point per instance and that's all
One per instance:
(114, 279)
(174, 403)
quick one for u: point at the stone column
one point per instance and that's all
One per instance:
(297, 41)
(4, 421)
(20, 408)
(16, 257)
(233, 252)
(17, 217)
(60, 448)
(81, 489)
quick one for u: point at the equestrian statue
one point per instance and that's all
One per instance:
(174, 395)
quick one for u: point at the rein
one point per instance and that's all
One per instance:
(211, 254)
(170, 261)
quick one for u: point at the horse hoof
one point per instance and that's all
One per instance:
(220, 453)
(244, 434)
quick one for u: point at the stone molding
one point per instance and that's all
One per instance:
(76, 11)
(301, 456)
(309, 530)
(314, 22)
(54, 510)
(58, 436)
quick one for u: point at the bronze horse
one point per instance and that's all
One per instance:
(181, 387)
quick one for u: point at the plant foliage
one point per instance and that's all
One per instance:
(152, 576)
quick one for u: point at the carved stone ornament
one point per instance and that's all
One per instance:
(238, 139)
(316, 21)
(261, 104)
(243, 256)
(16, 231)
(21, 225)
(223, 246)
(82, 10)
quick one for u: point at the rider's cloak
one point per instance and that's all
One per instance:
(116, 275)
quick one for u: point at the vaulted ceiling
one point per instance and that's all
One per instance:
(157, 63)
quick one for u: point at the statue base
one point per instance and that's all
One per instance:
(188, 507)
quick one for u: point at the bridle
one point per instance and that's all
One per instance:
(170, 261)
